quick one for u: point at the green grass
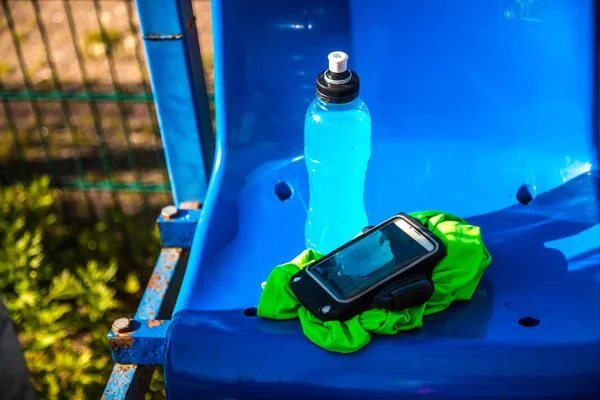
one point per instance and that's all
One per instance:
(64, 284)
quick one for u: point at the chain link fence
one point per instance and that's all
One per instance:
(77, 103)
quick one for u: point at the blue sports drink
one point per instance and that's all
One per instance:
(337, 147)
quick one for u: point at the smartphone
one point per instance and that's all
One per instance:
(349, 277)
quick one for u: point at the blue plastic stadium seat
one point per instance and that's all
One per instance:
(478, 108)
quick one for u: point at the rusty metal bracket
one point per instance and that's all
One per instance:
(119, 385)
(171, 36)
(178, 230)
(157, 303)
(144, 345)
(137, 344)
(162, 36)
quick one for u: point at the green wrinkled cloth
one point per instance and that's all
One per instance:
(455, 278)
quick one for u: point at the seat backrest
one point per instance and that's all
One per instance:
(470, 99)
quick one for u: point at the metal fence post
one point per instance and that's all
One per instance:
(177, 76)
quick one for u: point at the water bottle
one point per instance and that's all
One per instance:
(337, 147)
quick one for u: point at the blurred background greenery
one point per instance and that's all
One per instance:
(82, 179)
(65, 281)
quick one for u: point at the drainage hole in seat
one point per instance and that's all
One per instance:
(526, 194)
(250, 312)
(283, 191)
(529, 322)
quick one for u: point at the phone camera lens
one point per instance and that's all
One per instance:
(325, 309)
(296, 279)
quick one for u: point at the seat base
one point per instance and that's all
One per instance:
(528, 332)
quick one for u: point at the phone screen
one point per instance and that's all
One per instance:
(374, 257)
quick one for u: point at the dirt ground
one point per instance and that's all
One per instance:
(38, 53)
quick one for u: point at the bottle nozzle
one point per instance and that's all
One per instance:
(338, 61)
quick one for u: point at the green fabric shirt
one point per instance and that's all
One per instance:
(455, 278)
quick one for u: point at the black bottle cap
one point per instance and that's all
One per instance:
(338, 88)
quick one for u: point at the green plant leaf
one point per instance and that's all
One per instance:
(133, 283)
